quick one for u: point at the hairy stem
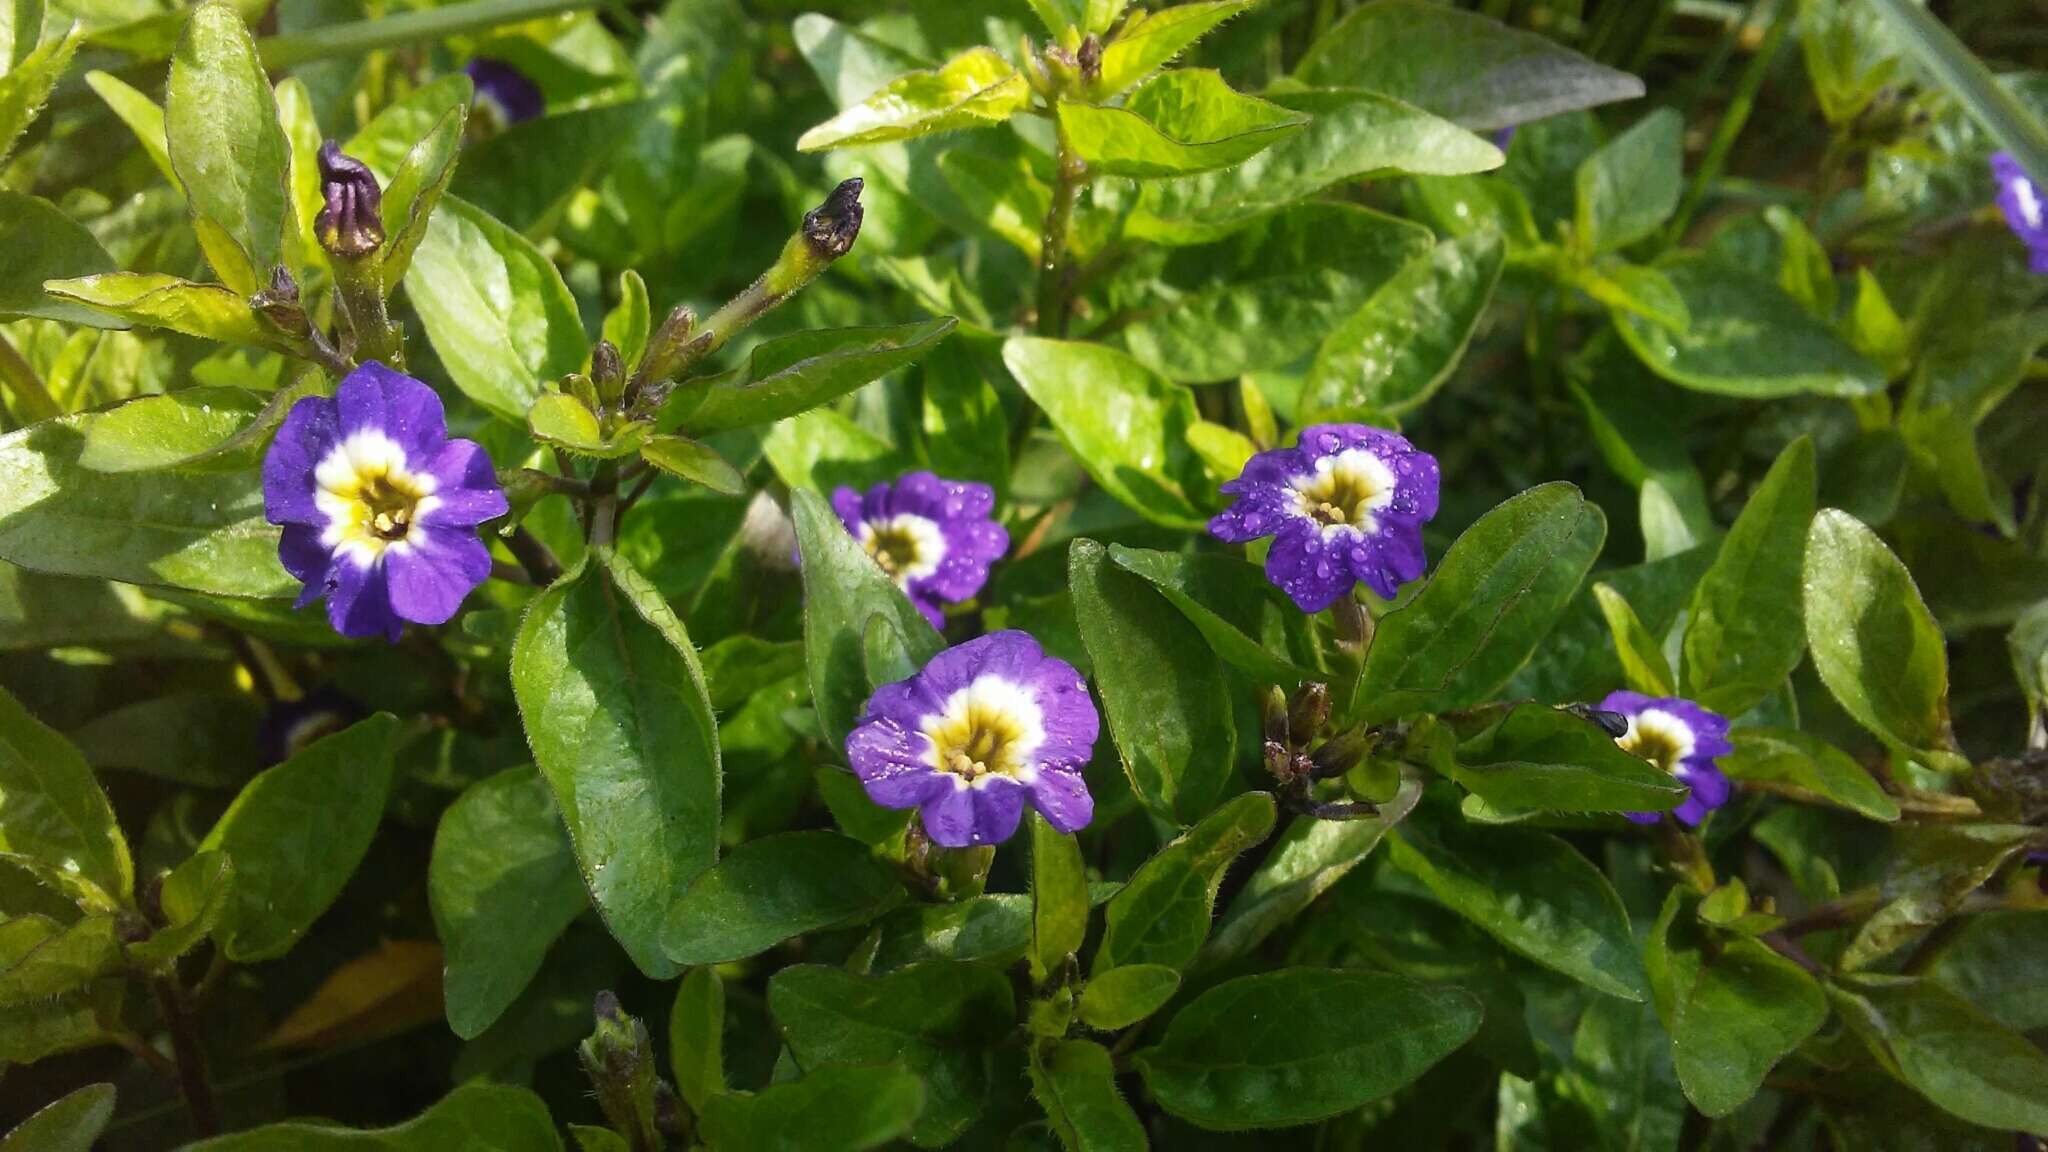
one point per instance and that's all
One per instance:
(190, 1057)
(540, 563)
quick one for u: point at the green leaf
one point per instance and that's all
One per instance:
(1943, 446)
(1634, 289)
(1850, 57)
(1783, 756)
(1348, 1038)
(296, 834)
(1460, 65)
(1934, 868)
(1992, 104)
(526, 174)
(42, 243)
(827, 1110)
(972, 90)
(25, 87)
(143, 116)
(477, 1115)
(1162, 915)
(71, 1124)
(195, 530)
(1177, 124)
(193, 897)
(1166, 699)
(1075, 1083)
(696, 1038)
(66, 959)
(561, 420)
(170, 430)
(400, 125)
(790, 374)
(775, 888)
(1264, 300)
(503, 885)
(1121, 997)
(1874, 643)
(1742, 634)
(1231, 603)
(843, 590)
(155, 300)
(1539, 757)
(1351, 135)
(21, 28)
(1310, 857)
(1746, 339)
(935, 1018)
(1532, 892)
(415, 189)
(494, 308)
(618, 719)
(301, 127)
(53, 817)
(590, 1138)
(1963, 1061)
(1630, 186)
(1059, 898)
(1127, 426)
(629, 322)
(1493, 598)
(696, 462)
(1806, 272)
(1399, 347)
(229, 151)
(1998, 960)
(1150, 39)
(1642, 656)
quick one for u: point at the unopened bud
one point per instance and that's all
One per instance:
(1273, 713)
(832, 227)
(607, 370)
(1309, 712)
(350, 224)
(279, 303)
(1090, 60)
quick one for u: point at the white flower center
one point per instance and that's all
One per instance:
(991, 728)
(2028, 198)
(907, 547)
(1659, 737)
(1344, 492)
(371, 500)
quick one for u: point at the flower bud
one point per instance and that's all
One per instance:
(350, 224)
(1273, 716)
(279, 303)
(1309, 712)
(607, 371)
(832, 227)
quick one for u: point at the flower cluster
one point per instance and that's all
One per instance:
(983, 729)
(379, 506)
(1345, 506)
(2025, 210)
(934, 537)
(1683, 739)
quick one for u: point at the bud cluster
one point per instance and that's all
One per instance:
(1300, 755)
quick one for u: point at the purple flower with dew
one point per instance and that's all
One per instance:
(379, 506)
(2026, 211)
(503, 92)
(1683, 739)
(933, 536)
(1345, 505)
(983, 729)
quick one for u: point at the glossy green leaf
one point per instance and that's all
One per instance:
(936, 1018)
(1348, 1038)
(1874, 643)
(696, 1038)
(827, 1110)
(230, 154)
(70, 1124)
(477, 1115)
(1747, 339)
(503, 885)
(53, 817)
(630, 320)
(65, 960)
(793, 373)
(972, 90)
(843, 589)
(1059, 898)
(617, 716)
(1532, 892)
(494, 307)
(143, 116)
(1166, 700)
(1460, 65)
(193, 897)
(1162, 915)
(296, 834)
(1244, 618)
(1785, 757)
(155, 300)
(1152, 38)
(1075, 1083)
(1743, 634)
(694, 461)
(170, 430)
(301, 127)
(564, 421)
(1181, 122)
(42, 243)
(1403, 343)
(415, 189)
(1998, 960)
(1491, 601)
(1932, 871)
(1126, 425)
(401, 124)
(1963, 1061)
(1539, 757)
(21, 28)
(1121, 997)
(769, 890)
(1642, 655)
(1630, 187)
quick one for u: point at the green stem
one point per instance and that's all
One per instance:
(420, 26)
(21, 379)
(1053, 280)
(191, 1059)
(1734, 120)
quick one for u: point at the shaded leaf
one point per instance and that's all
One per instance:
(1162, 915)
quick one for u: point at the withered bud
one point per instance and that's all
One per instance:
(279, 303)
(607, 370)
(1090, 60)
(831, 227)
(350, 224)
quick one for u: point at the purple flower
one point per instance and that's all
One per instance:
(2025, 210)
(503, 92)
(933, 536)
(1683, 739)
(379, 506)
(985, 727)
(1347, 504)
(1502, 137)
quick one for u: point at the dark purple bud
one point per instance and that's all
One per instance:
(279, 303)
(350, 224)
(504, 90)
(831, 227)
